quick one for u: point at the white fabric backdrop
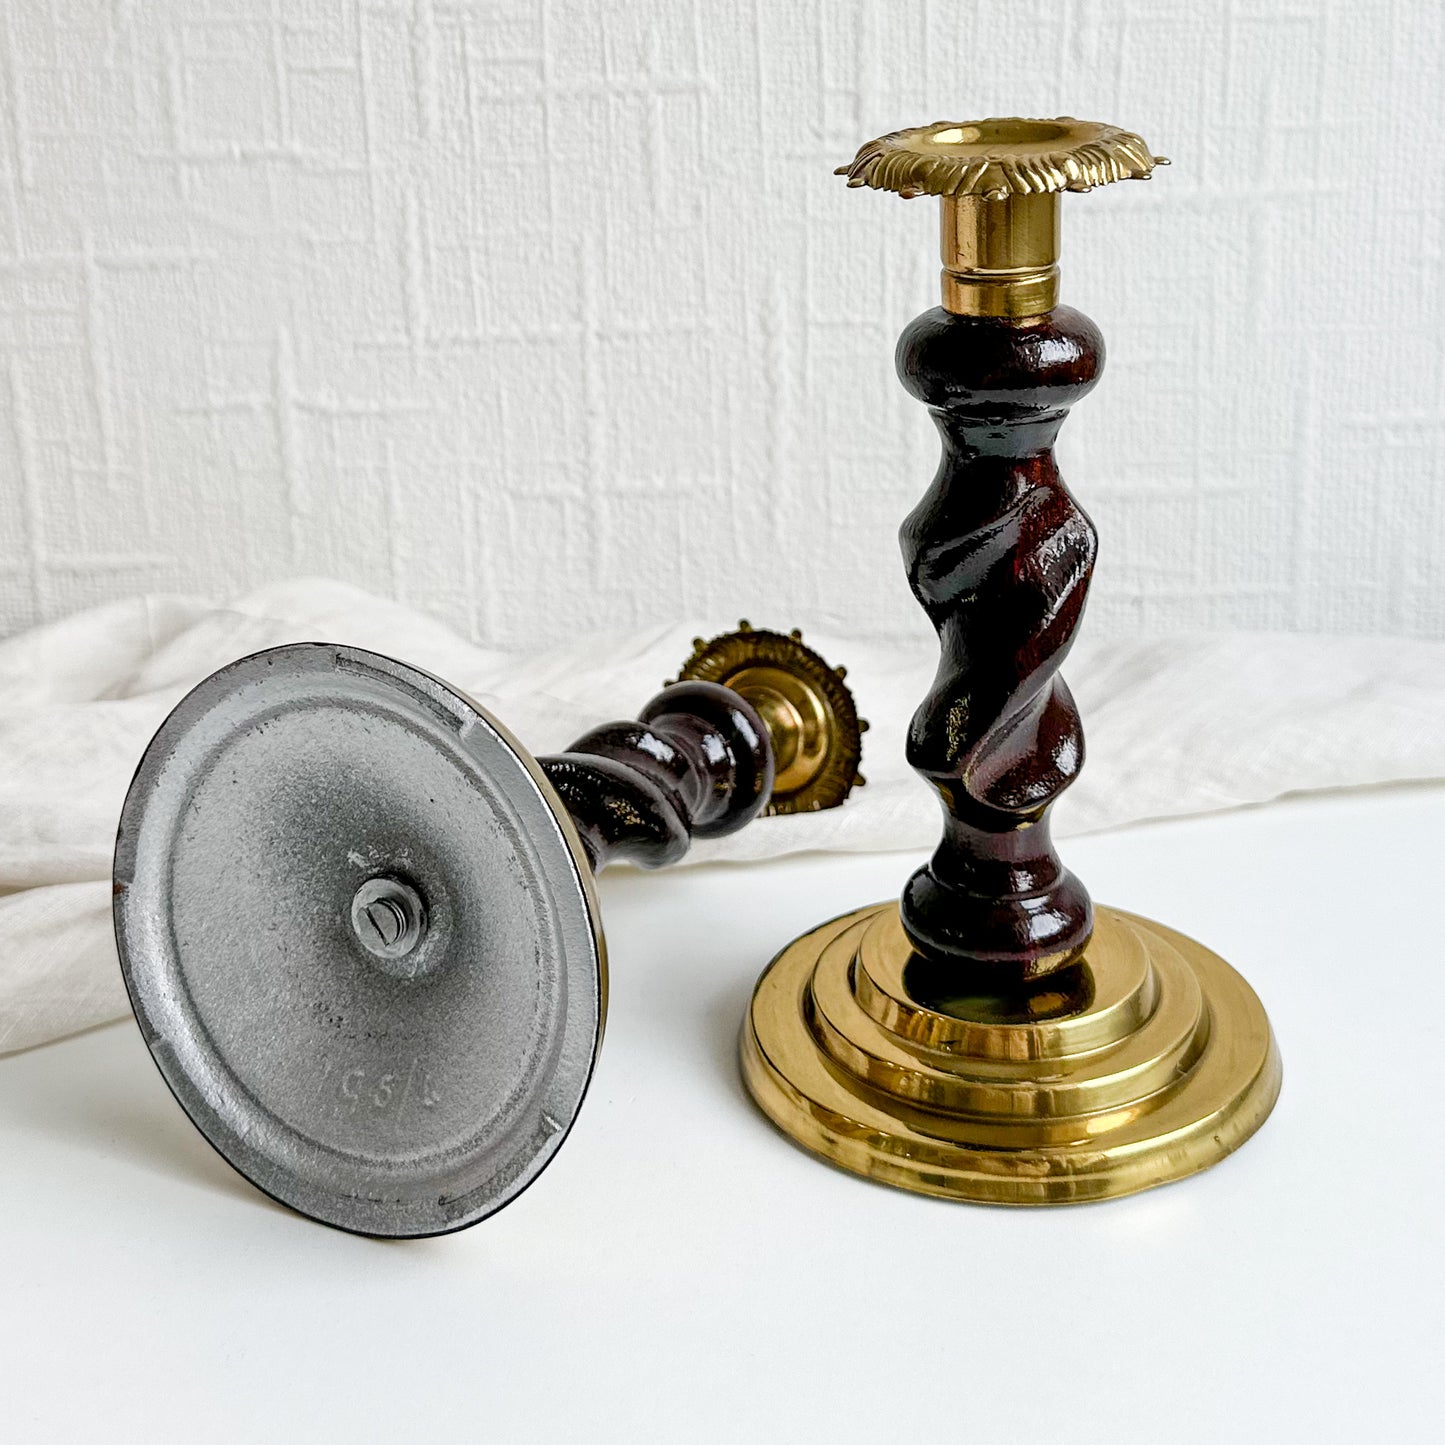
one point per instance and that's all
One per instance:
(530, 312)
(1173, 726)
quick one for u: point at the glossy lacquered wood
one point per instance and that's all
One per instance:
(696, 763)
(999, 555)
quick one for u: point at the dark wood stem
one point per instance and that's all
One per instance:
(999, 555)
(696, 763)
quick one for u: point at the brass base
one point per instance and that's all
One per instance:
(1152, 1061)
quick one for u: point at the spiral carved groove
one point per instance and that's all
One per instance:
(697, 763)
(1000, 557)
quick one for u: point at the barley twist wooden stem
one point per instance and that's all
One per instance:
(1000, 556)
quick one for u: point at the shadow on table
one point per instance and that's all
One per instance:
(102, 1094)
(721, 1027)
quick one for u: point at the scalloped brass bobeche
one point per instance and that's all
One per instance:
(811, 719)
(1001, 156)
(999, 181)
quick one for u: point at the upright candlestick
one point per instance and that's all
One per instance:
(994, 1036)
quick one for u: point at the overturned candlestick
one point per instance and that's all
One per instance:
(357, 923)
(993, 1036)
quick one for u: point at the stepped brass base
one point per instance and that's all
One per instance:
(1151, 1061)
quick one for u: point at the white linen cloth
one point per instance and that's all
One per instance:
(1176, 725)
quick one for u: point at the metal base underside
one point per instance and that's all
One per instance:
(360, 938)
(1161, 1064)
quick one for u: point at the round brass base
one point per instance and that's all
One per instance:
(1153, 1062)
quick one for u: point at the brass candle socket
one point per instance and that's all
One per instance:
(1000, 181)
(812, 722)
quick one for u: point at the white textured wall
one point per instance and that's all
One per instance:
(541, 312)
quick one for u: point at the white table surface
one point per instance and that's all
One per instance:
(683, 1273)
